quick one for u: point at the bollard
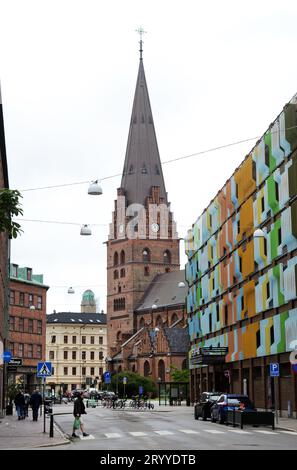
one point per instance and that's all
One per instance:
(51, 434)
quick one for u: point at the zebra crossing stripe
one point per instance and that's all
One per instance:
(239, 431)
(189, 431)
(138, 434)
(164, 433)
(111, 435)
(213, 431)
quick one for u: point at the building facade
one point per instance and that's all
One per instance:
(27, 323)
(4, 267)
(76, 345)
(242, 283)
(143, 242)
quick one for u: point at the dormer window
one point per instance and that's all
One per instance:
(144, 170)
(29, 274)
(131, 170)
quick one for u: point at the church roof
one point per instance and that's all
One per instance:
(164, 291)
(178, 339)
(77, 318)
(142, 168)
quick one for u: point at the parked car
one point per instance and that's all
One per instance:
(228, 402)
(203, 406)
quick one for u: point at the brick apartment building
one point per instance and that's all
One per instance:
(27, 323)
(142, 247)
(4, 265)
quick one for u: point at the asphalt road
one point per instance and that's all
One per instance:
(166, 428)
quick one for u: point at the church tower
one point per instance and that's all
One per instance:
(142, 239)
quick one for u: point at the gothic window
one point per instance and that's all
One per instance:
(167, 257)
(122, 257)
(115, 259)
(161, 370)
(159, 321)
(146, 271)
(123, 272)
(115, 274)
(141, 323)
(146, 255)
(146, 369)
(119, 304)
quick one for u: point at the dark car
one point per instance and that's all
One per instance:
(228, 402)
(203, 406)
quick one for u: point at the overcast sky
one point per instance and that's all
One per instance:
(217, 72)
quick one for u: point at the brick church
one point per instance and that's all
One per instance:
(146, 313)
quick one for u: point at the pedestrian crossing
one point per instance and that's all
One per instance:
(214, 432)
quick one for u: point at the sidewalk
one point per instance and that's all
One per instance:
(26, 434)
(287, 424)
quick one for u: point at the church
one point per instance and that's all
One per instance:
(146, 312)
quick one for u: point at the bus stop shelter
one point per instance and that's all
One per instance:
(174, 393)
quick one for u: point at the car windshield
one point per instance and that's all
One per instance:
(237, 401)
(214, 397)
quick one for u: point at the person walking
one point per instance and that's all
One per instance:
(19, 402)
(78, 410)
(35, 402)
(27, 401)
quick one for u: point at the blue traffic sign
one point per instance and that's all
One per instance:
(44, 369)
(107, 378)
(6, 356)
(274, 369)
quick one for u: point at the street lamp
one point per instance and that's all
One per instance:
(71, 290)
(85, 230)
(95, 189)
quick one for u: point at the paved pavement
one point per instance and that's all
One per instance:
(26, 434)
(169, 428)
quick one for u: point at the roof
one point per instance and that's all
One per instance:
(178, 339)
(22, 276)
(142, 167)
(164, 291)
(77, 318)
(3, 159)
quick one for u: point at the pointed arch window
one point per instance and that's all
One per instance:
(116, 259)
(115, 274)
(123, 272)
(146, 255)
(146, 369)
(167, 257)
(122, 257)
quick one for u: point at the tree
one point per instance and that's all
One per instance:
(178, 375)
(10, 206)
(132, 385)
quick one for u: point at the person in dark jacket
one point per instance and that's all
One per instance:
(35, 402)
(78, 410)
(20, 405)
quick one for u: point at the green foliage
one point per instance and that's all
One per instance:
(132, 385)
(12, 390)
(178, 375)
(10, 206)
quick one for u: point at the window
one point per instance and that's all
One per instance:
(92, 355)
(146, 255)
(39, 302)
(65, 370)
(92, 339)
(30, 325)
(262, 204)
(21, 325)
(14, 270)
(100, 339)
(115, 274)
(53, 371)
(238, 226)
(65, 339)
(101, 371)
(29, 274)
(258, 338)
(21, 350)
(74, 355)
(39, 351)
(242, 303)
(115, 259)
(101, 355)
(266, 155)
(74, 339)
(31, 298)
(52, 355)
(11, 323)
(268, 290)
(272, 335)
(146, 271)
(39, 327)
(123, 272)
(122, 257)
(30, 351)
(276, 191)
(65, 355)
(83, 339)
(240, 264)
(119, 304)
(73, 370)
(218, 312)
(12, 297)
(167, 257)
(83, 355)
(265, 246)
(22, 299)
(279, 233)
(92, 371)
(83, 371)
(210, 323)
(53, 340)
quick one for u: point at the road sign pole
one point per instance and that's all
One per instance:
(43, 381)
(276, 399)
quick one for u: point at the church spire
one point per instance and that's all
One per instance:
(142, 168)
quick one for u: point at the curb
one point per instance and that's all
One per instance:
(285, 429)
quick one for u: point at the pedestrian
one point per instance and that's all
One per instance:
(19, 401)
(27, 401)
(78, 410)
(35, 402)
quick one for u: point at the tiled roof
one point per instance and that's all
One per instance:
(178, 339)
(77, 318)
(164, 291)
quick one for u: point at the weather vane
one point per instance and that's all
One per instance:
(140, 31)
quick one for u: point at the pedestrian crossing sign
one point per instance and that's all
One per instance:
(44, 369)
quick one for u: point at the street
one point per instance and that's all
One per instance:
(171, 428)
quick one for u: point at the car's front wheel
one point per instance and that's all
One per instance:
(204, 415)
